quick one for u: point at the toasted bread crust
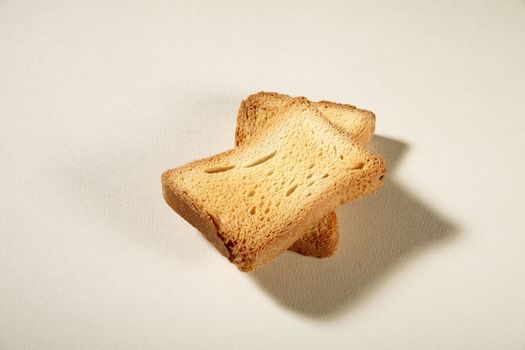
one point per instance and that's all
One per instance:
(190, 212)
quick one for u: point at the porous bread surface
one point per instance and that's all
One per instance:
(259, 110)
(255, 201)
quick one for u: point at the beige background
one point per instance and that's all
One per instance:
(97, 98)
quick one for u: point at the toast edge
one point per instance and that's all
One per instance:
(184, 206)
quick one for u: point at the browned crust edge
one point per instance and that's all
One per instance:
(184, 206)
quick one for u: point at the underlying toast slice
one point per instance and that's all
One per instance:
(257, 111)
(255, 201)
(320, 240)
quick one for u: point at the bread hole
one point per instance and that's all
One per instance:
(291, 190)
(311, 166)
(219, 169)
(253, 210)
(325, 176)
(341, 157)
(267, 210)
(309, 176)
(251, 193)
(357, 166)
(269, 173)
(219, 226)
(311, 183)
(381, 177)
(261, 160)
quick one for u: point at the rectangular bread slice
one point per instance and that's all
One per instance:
(255, 201)
(259, 110)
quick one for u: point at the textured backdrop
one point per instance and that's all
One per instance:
(98, 98)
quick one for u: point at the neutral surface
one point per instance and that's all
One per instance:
(97, 98)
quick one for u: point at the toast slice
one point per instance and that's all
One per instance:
(255, 201)
(260, 109)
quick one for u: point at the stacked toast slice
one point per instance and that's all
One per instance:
(295, 162)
